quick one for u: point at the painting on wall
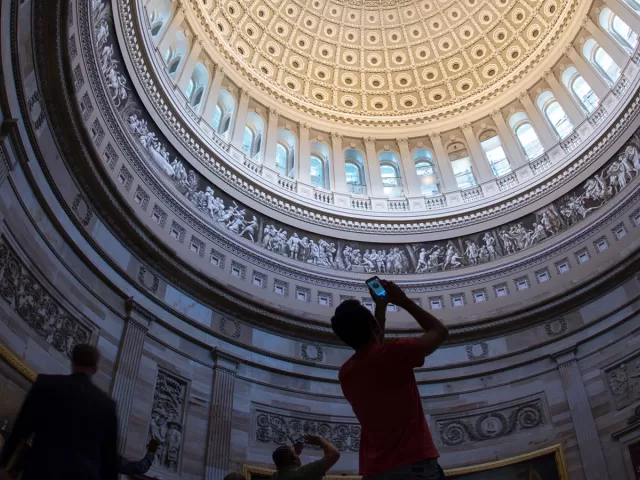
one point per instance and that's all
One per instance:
(546, 464)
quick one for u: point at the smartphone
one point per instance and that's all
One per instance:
(375, 285)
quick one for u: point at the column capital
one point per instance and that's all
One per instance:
(434, 135)
(497, 113)
(523, 94)
(303, 126)
(224, 360)
(466, 126)
(402, 141)
(337, 135)
(137, 315)
(369, 141)
(566, 356)
(274, 111)
(244, 91)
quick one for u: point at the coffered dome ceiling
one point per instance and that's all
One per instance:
(410, 59)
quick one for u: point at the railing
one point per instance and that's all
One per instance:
(540, 164)
(398, 205)
(621, 86)
(323, 196)
(471, 194)
(572, 142)
(287, 183)
(435, 203)
(356, 189)
(253, 166)
(361, 204)
(507, 181)
(598, 116)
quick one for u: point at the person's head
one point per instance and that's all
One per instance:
(285, 456)
(354, 324)
(234, 476)
(84, 359)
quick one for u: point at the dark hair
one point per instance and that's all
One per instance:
(353, 323)
(85, 356)
(283, 456)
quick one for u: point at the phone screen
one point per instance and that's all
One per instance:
(375, 285)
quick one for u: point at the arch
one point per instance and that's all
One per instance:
(634, 4)
(526, 135)
(158, 13)
(425, 165)
(554, 114)
(491, 145)
(176, 53)
(319, 165)
(223, 112)
(601, 61)
(286, 153)
(354, 171)
(618, 30)
(253, 136)
(580, 89)
(461, 164)
(390, 173)
(197, 85)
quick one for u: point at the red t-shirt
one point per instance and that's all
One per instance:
(380, 385)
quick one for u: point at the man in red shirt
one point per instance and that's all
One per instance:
(378, 382)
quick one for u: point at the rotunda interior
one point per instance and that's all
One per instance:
(194, 186)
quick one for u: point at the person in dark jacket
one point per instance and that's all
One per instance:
(142, 466)
(72, 424)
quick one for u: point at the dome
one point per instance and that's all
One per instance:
(195, 185)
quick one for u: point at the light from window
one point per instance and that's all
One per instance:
(635, 4)
(607, 65)
(389, 176)
(247, 141)
(529, 141)
(217, 116)
(190, 88)
(628, 37)
(281, 159)
(583, 92)
(558, 119)
(463, 173)
(352, 174)
(492, 148)
(427, 177)
(317, 172)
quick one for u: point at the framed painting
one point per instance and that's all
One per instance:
(545, 464)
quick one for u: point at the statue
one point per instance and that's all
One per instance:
(250, 229)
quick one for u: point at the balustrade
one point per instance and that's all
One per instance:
(435, 203)
(570, 143)
(471, 194)
(507, 181)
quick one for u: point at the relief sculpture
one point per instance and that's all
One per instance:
(167, 420)
(624, 383)
(353, 256)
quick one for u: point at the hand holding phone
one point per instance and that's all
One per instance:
(386, 291)
(376, 289)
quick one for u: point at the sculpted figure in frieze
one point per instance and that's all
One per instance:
(235, 219)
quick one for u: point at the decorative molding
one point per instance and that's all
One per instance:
(500, 421)
(312, 353)
(473, 354)
(230, 328)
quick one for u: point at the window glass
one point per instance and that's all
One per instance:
(463, 172)
(496, 156)
(217, 116)
(389, 176)
(635, 4)
(584, 93)
(190, 88)
(247, 141)
(352, 174)
(558, 119)
(317, 172)
(427, 178)
(608, 66)
(627, 36)
(529, 141)
(281, 159)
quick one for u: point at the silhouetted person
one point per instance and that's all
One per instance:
(73, 423)
(379, 383)
(289, 467)
(142, 466)
(234, 476)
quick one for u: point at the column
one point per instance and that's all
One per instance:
(189, 65)
(220, 415)
(375, 177)
(271, 143)
(627, 14)
(588, 72)
(338, 172)
(409, 174)
(584, 425)
(241, 120)
(514, 152)
(546, 136)
(575, 115)
(303, 169)
(481, 165)
(137, 323)
(167, 37)
(445, 172)
(604, 40)
(212, 95)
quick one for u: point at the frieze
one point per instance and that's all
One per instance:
(332, 253)
(623, 380)
(39, 310)
(284, 429)
(491, 424)
(282, 204)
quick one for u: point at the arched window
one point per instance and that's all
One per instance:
(390, 173)
(317, 171)
(281, 159)
(555, 115)
(580, 89)
(603, 63)
(354, 172)
(426, 171)
(618, 29)
(526, 135)
(197, 84)
(159, 12)
(461, 165)
(223, 112)
(247, 142)
(492, 148)
(286, 153)
(217, 117)
(634, 4)
(176, 52)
